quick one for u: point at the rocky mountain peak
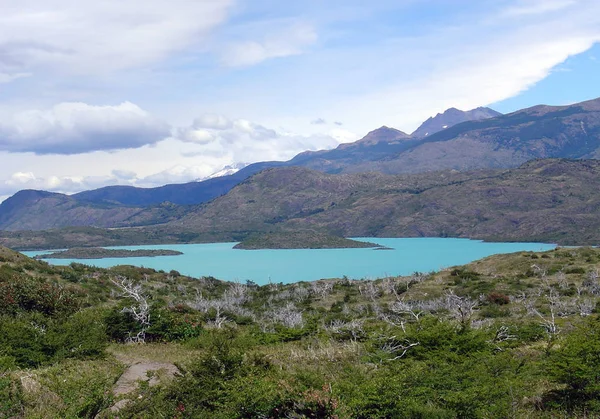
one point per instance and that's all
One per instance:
(450, 117)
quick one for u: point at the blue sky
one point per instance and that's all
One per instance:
(156, 91)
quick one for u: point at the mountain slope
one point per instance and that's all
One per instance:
(180, 194)
(12, 207)
(37, 210)
(450, 118)
(543, 200)
(506, 141)
(554, 200)
(375, 145)
(225, 171)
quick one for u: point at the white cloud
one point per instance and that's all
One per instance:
(464, 66)
(287, 42)
(21, 178)
(182, 158)
(124, 174)
(242, 140)
(84, 37)
(7, 77)
(537, 7)
(63, 184)
(72, 128)
(177, 174)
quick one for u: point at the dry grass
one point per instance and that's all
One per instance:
(70, 389)
(171, 353)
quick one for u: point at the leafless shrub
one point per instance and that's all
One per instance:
(282, 295)
(140, 310)
(321, 288)
(561, 279)
(369, 290)
(231, 301)
(388, 286)
(481, 323)
(460, 308)
(219, 319)
(590, 283)
(547, 321)
(585, 306)
(540, 271)
(300, 294)
(237, 293)
(502, 335)
(400, 312)
(288, 316)
(340, 329)
(397, 347)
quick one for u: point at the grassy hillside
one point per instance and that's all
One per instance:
(508, 336)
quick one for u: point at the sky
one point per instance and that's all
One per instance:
(151, 92)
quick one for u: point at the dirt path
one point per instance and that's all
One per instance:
(138, 370)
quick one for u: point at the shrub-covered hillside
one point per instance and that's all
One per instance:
(508, 336)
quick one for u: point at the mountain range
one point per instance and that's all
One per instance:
(550, 200)
(451, 141)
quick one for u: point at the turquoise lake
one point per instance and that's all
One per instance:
(261, 266)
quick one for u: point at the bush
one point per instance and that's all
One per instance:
(23, 340)
(497, 298)
(20, 293)
(32, 340)
(11, 398)
(576, 365)
(81, 336)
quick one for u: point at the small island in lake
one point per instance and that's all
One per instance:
(300, 240)
(101, 253)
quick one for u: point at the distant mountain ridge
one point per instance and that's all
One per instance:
(452, 117)
(552, 200)
(180, 193)
(228, 170)
(503, 141)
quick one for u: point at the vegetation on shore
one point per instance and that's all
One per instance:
(512, 335)
(301, 240)
(102, 253)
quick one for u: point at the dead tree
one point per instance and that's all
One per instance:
(288, 316)
(139, 311)
(502, 335)
(548, 322)
(394, 346)
(340, 329)
(461, 308)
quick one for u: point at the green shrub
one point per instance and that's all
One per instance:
(32, 340)
(12, 403)
(23, 340)
(576, 364)
(81, 336)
